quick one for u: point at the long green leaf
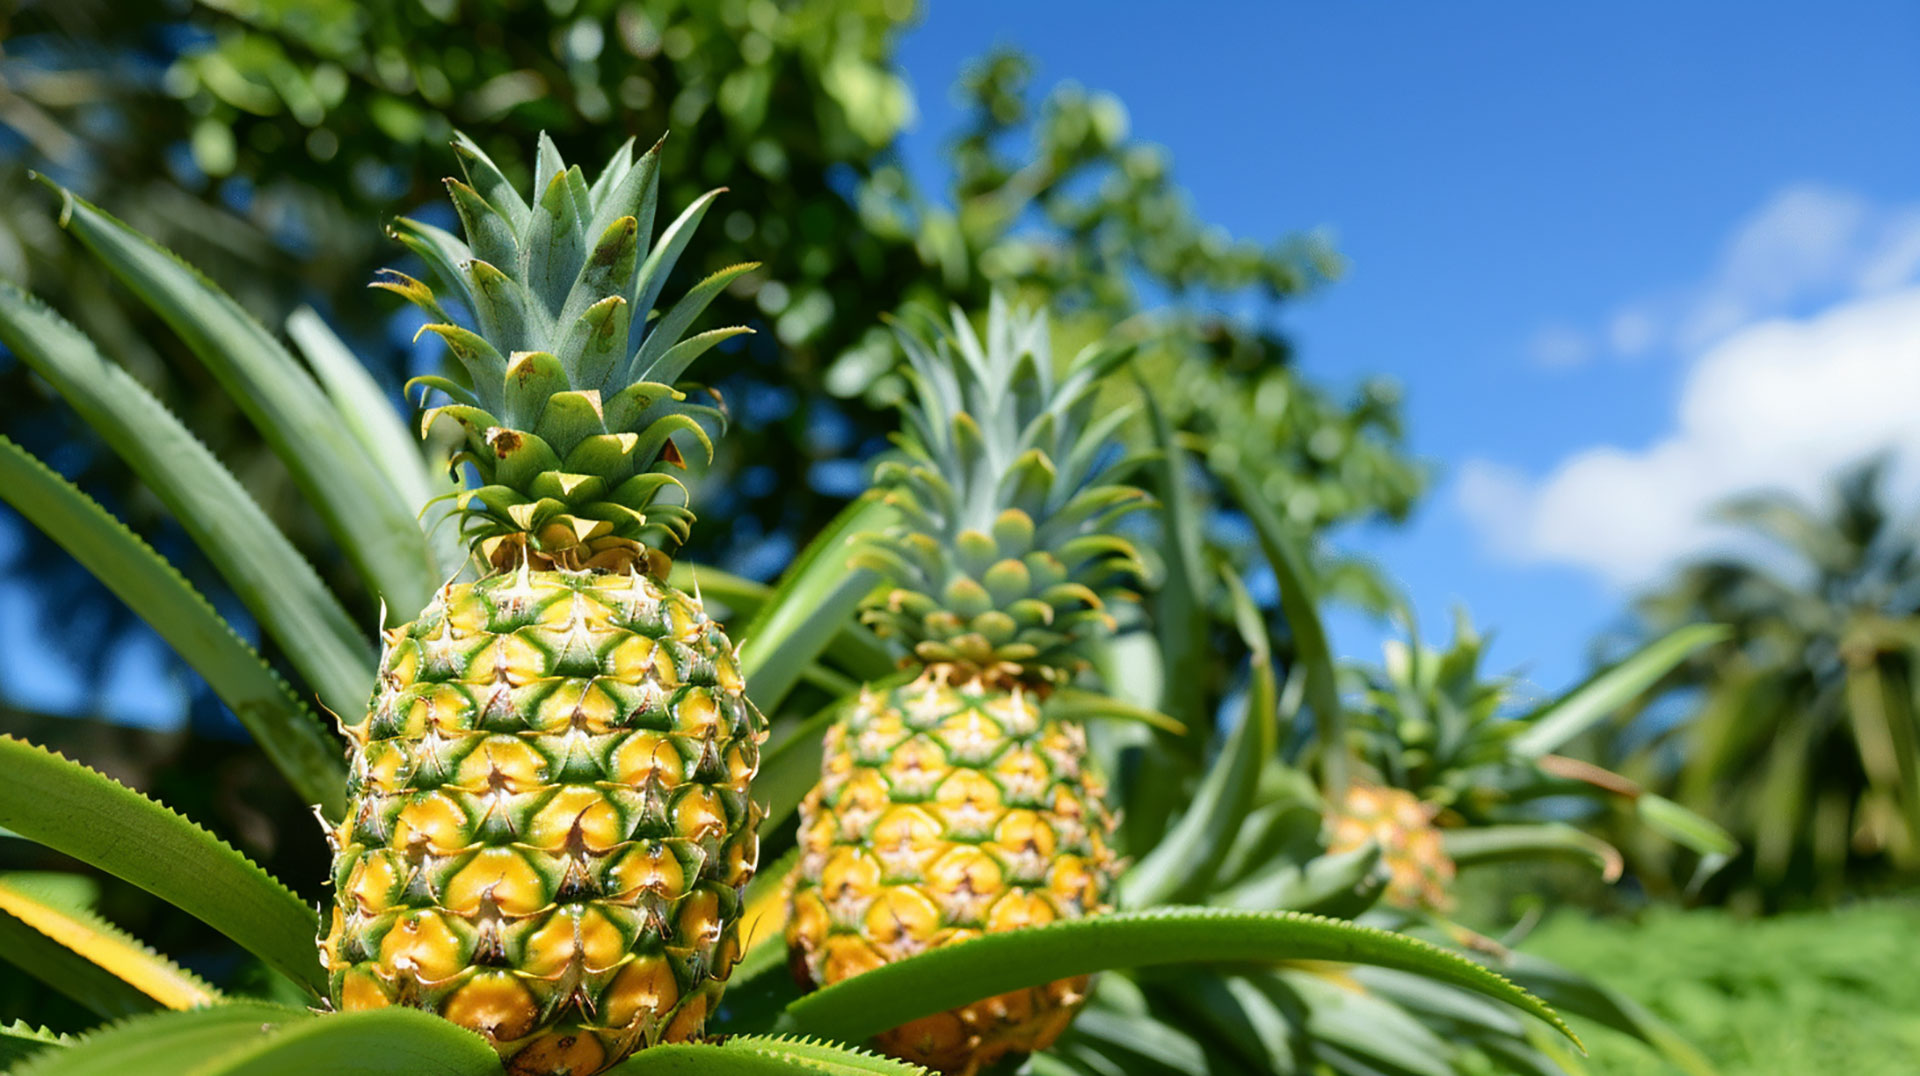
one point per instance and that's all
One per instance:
(1582, 996)
(397, 1041)
(72, 809)
(1301, 606)
(381, 430)
(292, 737)
(759, 1055)
(812, 603)
(90, 960)
(1186, 861)
(21, 1040)
(1075, 704)
(1606, 691)
(268, 575)
(164, 1043)
(1477, 845)
(360, 508)
(867, 1004)
(1689, 829)
(852, 647)
(1179, 602)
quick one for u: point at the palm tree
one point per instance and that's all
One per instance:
(1804, 734)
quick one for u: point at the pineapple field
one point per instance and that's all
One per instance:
(632, 583)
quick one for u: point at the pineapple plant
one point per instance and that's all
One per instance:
(954, 805)
(548, 827)
(527, 730)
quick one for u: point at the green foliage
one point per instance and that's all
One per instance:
(943, 978)
(1829, 992)
(305, 121)
(73, 809)
(1800, 733)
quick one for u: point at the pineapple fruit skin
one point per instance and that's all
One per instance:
(1419, 871)
(549, 825)
(950, 807)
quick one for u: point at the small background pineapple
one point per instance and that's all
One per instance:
(953, 804)
(1419, 871)
(549, 825)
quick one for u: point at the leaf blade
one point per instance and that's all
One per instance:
(59, 803)
(282, 400)
(91, 961)
(292, 737)
(1608, 690)
(867, 1004)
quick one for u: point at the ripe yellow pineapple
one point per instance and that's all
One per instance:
(549, 827)
(1419, 871)
(954, 805)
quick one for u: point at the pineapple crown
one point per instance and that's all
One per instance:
(1003, 560)
(568, 402)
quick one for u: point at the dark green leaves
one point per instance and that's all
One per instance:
(72, 809)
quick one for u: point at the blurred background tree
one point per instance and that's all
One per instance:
(1800, 733)
(267, 140)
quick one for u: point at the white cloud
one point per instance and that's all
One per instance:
(1808, 246)
(1781, 403)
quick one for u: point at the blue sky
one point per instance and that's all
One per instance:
(1625, 260)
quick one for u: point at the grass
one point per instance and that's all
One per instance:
(1823, 994)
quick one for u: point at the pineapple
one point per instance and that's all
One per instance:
(1419, 871)
(549, 824)
(954, 805)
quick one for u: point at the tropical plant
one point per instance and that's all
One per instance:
(1799, 732)
(348, 453)
(1455, 746)
(958, 802)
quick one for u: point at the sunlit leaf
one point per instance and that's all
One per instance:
(102, 823)
(305, 753)
(857, 1008)
(88, 959)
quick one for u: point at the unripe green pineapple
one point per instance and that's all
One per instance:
(1419, 871)
(549, 825)
(954, 805)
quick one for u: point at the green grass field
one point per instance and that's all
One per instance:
(1833, 994)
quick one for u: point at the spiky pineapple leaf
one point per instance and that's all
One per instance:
(74, 810)
(295, 417)
(1294, 571)
(1475, 845)
(398, 1041)
(163, 1043)
(760, 1055)
(1187, 860)
(1573, 713)
(305, 754)
(20, 1040)
(1179, 601)
(267, 574)
(380, 428)
(856, 1009)
(88, 959)
(810, 606)
(854, 646)
(1075, 704)
(1579, 995)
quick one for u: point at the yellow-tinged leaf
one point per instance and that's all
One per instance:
(92, 940)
